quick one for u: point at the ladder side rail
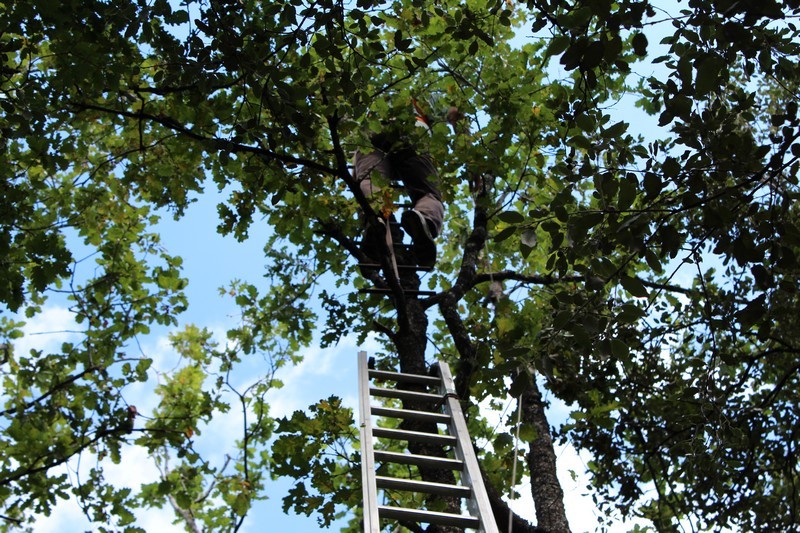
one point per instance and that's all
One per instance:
(368, 482)
(466, 453)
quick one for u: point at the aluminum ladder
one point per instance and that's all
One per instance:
(444, 409)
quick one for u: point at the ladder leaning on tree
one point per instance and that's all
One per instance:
(443, 409)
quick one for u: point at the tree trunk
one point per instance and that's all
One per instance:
(548, 496)
(411, 341)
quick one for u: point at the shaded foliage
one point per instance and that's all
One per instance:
(643, 263)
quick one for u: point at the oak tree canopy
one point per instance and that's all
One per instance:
(621, 234)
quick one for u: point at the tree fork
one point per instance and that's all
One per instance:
(466, 367)
(448, 307)
(501, 510)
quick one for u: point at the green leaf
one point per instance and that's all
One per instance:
(652, 184)
(616, 130)
(502, 442)
(671, 168)
(505, 233)
(557, 45)
(593, 55)
(603, 267)
(619, 349)
(585, 122)
(752, 312)
(628, 189)
(639, 43)
(511, 217)
(529, 238)
(629, 313)
(527, 433)
(708, 73)
(576, 18)
(579, 141)
(634, 286)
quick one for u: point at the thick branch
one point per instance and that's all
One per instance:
(186, 514)
(448, 307)
(216, 142)
(9, 519)
(500, 510)
(57, 387)
(164, 90)
(466, 348)
(779, 387)
(512, 275)
(665, 287)
(448, 300)
(469, 261)
(549, 280)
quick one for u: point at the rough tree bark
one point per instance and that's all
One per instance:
(411, 342)
(548, 497)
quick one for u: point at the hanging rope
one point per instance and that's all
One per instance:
(390, 245)
(514, 466)
(519, 414)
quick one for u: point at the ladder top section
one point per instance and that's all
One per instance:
(397, 377)
(429, 413)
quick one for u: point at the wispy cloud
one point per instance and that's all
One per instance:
(48, 330)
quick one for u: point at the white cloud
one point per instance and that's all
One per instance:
(322, 373)
(135, 469)
(66, 512)
(48, 330)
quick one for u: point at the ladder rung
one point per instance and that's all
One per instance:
(444, 463)
(417, 436)
(405, 394)
(419, 268)
(404, 378)
(440, 451)
(389, 291)
(429, 487)
(397, 245)
(410, 414)
(428, 517)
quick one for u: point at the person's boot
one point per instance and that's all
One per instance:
(372, 245)
(422, 243)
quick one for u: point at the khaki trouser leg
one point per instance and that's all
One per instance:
(433, 211)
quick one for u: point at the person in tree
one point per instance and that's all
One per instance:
(395, 155)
